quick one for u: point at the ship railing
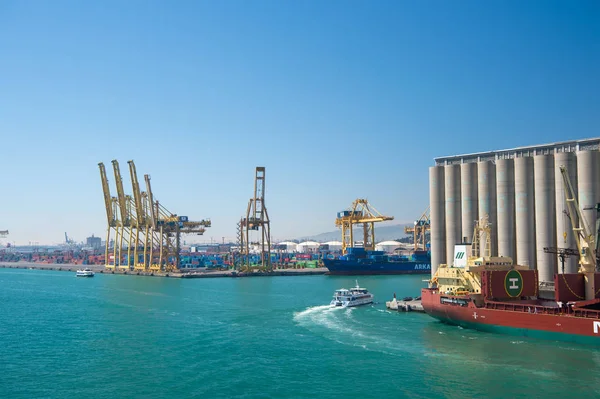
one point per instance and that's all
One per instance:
(540, 309)
(526, 308)
(587, 313)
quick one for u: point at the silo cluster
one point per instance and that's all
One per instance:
(522, 192)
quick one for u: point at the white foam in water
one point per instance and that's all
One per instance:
(342, 327)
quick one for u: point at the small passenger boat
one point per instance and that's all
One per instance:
(353, 297)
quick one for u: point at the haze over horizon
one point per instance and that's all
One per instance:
(338, 100)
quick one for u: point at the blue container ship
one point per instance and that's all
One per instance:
(358, 261)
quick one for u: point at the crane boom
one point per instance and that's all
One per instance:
(121, 194)
(137, 195)
(151, 209)
(107, 198)
(585, 241)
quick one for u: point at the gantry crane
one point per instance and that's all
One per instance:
(586, 243)
(146, 233)
(140, 221)
(421, 226)
(257, 219)
(361, 212)
(123, 239)
(110, 203)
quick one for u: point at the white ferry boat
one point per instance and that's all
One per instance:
(353, 297)
(84, 273)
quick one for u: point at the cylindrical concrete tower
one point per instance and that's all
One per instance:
(437, 217)
(505, 191)
(453, 210)
(564, 229)
(469, 202)
(586, 185)
(525, 212)
(545, 216)
(486, 192)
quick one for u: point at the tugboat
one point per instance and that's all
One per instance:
(84, 273)
(353, 297)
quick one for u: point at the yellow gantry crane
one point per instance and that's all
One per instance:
(586, 243)
(124, 229)
(421, 226)
(257, 219)
(110, 203)
(147, 235)
(361, 212)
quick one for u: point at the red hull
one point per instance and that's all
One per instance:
(512, 315)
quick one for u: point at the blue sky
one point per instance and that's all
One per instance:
(337, 99)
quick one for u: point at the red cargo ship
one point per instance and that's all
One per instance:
(492, 294)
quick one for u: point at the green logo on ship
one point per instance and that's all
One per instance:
(460, 255)
(513, 283)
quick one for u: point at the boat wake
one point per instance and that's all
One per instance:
(339, 324)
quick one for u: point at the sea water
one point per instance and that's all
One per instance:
(115, 336)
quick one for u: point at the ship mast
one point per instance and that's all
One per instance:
(585, 241)
(482, 228)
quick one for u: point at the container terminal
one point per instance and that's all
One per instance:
(144, 237)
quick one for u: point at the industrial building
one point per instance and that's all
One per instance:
(522, 191)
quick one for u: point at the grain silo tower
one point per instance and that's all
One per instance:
(521, 190)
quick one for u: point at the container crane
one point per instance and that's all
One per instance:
(257, 219)
(124, 230)
(165, 229)
(146, 230)
(586, 243)
(361, 212)
(110, 204)
(419, 230)
(140, 220)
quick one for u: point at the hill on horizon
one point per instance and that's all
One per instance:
(382, 233)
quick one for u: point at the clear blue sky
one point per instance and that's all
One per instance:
(338, 99)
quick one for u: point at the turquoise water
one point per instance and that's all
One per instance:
(143, 337)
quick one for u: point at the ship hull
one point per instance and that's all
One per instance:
(367, 267)
(559, 326)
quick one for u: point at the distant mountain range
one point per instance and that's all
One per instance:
(382, 233)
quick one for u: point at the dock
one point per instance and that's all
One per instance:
(405, 306)
(184, 273)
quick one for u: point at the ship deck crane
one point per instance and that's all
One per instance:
(586, 243)
(360, 212)
(419, 230)
(257, 219)
(563, 253)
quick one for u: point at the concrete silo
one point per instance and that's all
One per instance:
(486, 191)
(453, 210)
(525, 212)
(437, 216)
(545, 216)
(469, 199)
(587, 181)
(505, 205)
